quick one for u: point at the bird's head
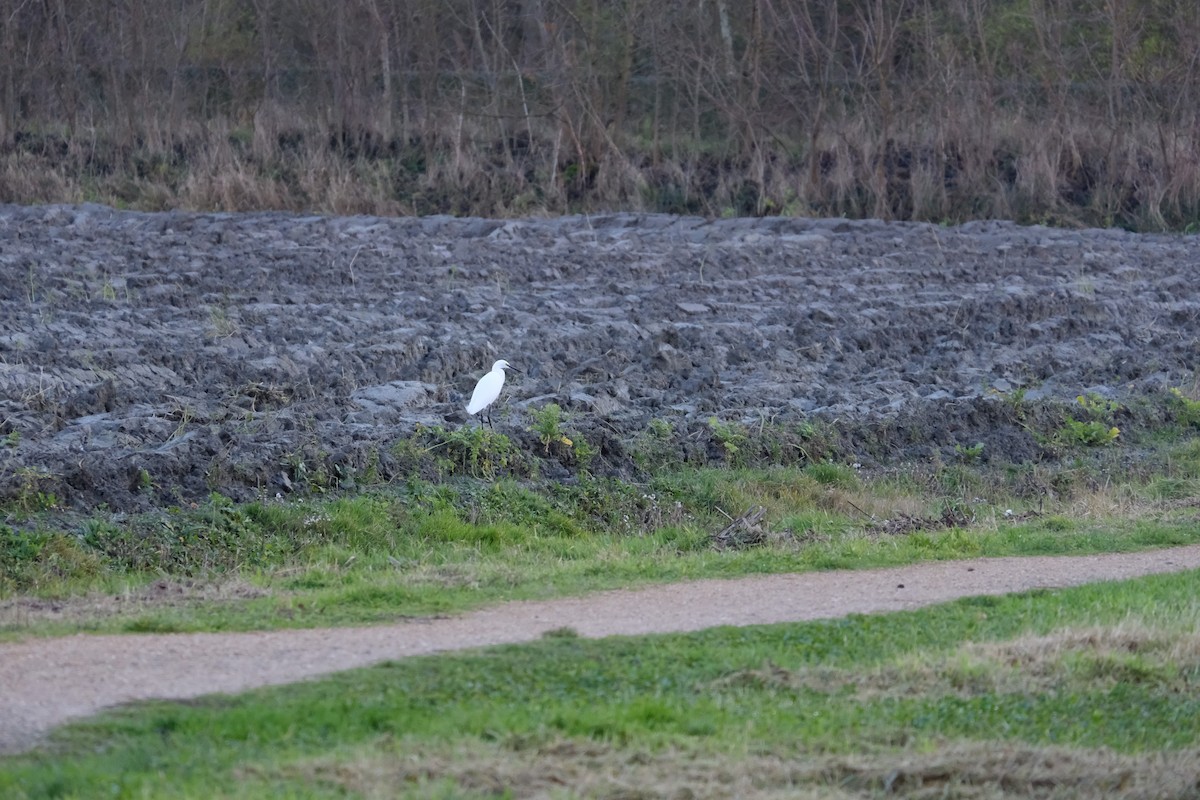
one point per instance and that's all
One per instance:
(503, 365)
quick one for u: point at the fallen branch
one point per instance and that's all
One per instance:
(745, 531)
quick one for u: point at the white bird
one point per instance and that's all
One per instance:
(488, 389)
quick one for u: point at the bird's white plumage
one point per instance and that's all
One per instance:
(488, 388)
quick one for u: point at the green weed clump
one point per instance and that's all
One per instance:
(1187, 410)
(472, 450)
(731, 436)
(969, 454)
(44, 561)
(1097, 430)
(657, 447)
(1089, 433)
(33, 492)
(548, 425)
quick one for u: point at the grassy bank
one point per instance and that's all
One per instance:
(1089, 690)
(475, 522)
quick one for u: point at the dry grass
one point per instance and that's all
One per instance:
(217, 173)
(24, 612)
(1092, 659)
(1110, 502)
(569, 768)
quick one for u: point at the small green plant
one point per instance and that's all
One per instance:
(732, 437)
(1058, 523)
(479, 451)
(969, 455)
(306, 478)
(32, 285)
(1187, 410)
(829, 474)
(223, 326)
(1089, 434)
(564, 632)
(411, 451)
(584, 453)
(12, 438)
(1016, 401)
(958, 479)
(32, 495)
(1098, 430)
(655, 447)
(1098, 407)
(547, 424)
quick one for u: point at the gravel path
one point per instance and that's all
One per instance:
(50, 681)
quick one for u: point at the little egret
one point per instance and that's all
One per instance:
(488, 389)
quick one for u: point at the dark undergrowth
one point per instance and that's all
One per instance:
(1065, 113)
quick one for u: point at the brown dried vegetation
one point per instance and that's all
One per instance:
(573, 768)
(1065, 660)
(1059, 111)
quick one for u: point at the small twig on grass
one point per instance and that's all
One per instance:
(859, 510)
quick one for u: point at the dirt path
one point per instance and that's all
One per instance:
(50, 681)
